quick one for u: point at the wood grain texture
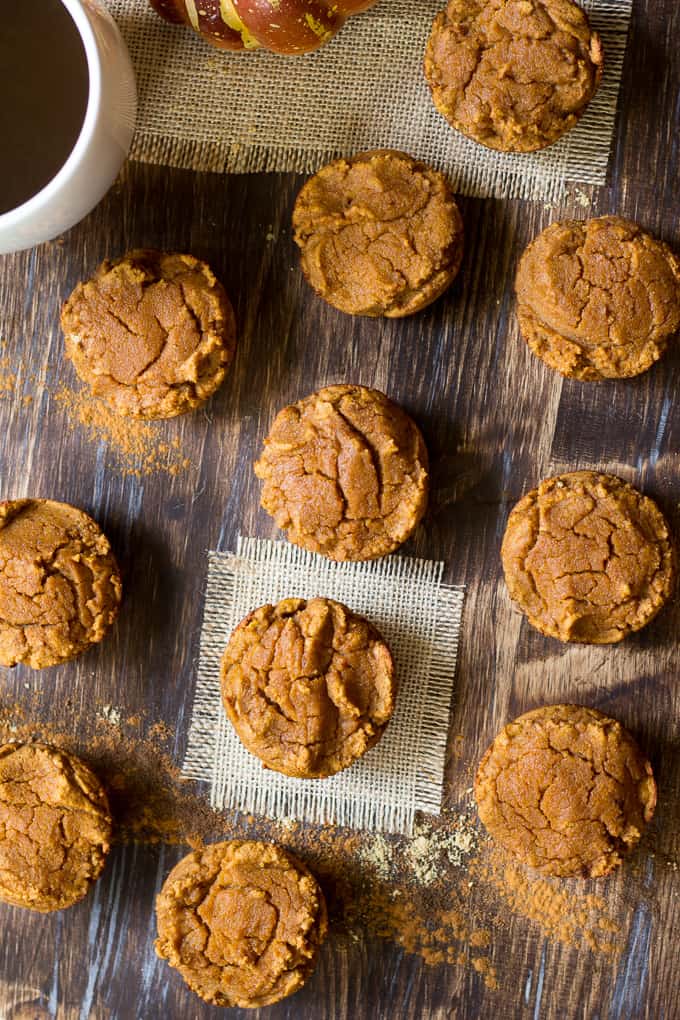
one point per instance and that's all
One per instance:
(496, 421)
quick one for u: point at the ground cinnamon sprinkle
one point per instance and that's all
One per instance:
(8, 383)
(135, 445)
(560, 909)
(10, 376)
(423, 927)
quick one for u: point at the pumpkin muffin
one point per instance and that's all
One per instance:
(380, 234)
(243, 923)
(514, 75)
(598, 299)
(55, 827)
(565, 790)
(588, 558)
(309, 686)
(60, 588)
(151, 333)
(345, 473)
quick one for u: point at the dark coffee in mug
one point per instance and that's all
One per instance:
(44, 85)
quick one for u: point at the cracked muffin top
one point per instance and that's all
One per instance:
(588, 558)
(151, 333)
(55, 827)
(242, 922)
(309, 686)
(345, 473)
(598, 299)
(566, 790)
(59, 583)
(514, 75)
(380, 234)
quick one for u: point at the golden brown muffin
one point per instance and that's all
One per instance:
(566, 790)
(380, 234)
(60, 588)
(588, 558)
(309, 686)
(241, 922)
(514, 75)
(55, 827)
(152, 333)
(598, 299)
(345, 473)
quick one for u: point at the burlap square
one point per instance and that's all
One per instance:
(420, 619)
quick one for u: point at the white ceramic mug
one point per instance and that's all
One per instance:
(101, 146)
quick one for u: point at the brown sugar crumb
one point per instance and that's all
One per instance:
(598, 299)
(514, 75)
(345, 473)
(55, 827)
(565, 790)
(380, 234)
(134, 445)
(242, 922)
(152, 333)
(309, 686)
(588, 558)
(59, 583)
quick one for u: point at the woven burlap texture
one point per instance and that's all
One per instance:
(419, 618)
(207, 110)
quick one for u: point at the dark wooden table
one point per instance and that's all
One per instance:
(496, 421)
